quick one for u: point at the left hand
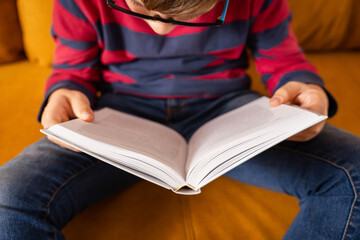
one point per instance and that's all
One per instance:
(308, 96)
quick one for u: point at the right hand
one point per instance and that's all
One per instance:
(63, 105)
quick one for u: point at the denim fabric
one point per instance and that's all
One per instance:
(45, 186)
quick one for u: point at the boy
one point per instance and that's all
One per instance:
(166, 60)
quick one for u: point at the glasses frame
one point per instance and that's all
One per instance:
(218, 22)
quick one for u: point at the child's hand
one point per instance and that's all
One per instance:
(308, 96)
(63, 105)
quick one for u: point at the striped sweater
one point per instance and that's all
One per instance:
(98, 48)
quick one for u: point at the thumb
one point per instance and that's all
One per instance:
(284, 94)
(81, 106)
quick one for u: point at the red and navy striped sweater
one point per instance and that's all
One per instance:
(98, 47)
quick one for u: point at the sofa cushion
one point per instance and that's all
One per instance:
(35, 20)
(255, 213)
(326, 25)
(21, 85)
(11, 48)
(225, 209)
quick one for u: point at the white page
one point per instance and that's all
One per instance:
(134, 134)
(251, 120)
(236, 160)
(238, 154)
(241, 121)
(200, 172)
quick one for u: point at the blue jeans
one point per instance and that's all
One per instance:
(45, 186)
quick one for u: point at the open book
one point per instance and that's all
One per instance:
(161, 155)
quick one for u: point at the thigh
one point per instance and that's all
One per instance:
(53, 184)
(323, 173)
(328, 164)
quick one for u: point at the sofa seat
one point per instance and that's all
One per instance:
(224, 210)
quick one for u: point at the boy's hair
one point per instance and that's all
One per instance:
(179, 7)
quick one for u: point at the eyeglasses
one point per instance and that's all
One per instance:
(217, 22)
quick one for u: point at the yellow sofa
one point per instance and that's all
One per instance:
(327, 30)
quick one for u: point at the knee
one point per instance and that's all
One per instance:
(24, 181)
(19, 193)
(23, 206)
(330, 180)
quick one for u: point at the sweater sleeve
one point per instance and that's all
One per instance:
(277, 55)
(76, 63)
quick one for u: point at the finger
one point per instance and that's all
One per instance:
(286, 93)
(54, 114)
(81, 106)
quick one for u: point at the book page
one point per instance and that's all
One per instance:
(223, 128)
(141, 136)
(133, 170)
(254, 120)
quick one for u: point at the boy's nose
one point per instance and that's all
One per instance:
(160, 27)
